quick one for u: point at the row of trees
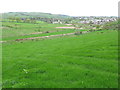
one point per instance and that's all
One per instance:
(25, 20)
(34, 20)
(112, 25)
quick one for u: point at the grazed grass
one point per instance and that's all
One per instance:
(83, 61)
(15, 29)
(38, 35)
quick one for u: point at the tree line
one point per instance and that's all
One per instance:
(34, 20)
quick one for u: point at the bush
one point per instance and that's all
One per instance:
(111, 26)
(47, 32)
(78, 33)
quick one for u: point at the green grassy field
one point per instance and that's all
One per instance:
(12, 30)
(76, 61)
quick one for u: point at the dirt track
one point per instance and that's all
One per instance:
(45, 37)
(32, 38)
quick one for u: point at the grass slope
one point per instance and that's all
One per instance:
(33, 14)
(13, 30)
(84, 61)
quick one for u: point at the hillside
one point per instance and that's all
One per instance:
(33, 14)
(39, 53)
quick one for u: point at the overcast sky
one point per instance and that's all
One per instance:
(67, 7)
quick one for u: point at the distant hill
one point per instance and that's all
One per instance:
(33, 14)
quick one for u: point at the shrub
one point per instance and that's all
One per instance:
(78, 33)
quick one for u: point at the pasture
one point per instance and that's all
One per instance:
(76, 61)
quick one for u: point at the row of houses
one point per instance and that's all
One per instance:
(100, 20)
(85, 20)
